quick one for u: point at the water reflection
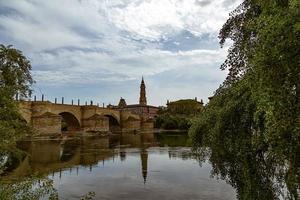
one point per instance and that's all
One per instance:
(52, 155)
(128, 166)
(255, 172)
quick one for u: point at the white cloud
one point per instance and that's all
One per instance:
(74, 65)
(157, 19)
(94, 41)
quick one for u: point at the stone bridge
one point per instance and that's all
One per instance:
(50, 118)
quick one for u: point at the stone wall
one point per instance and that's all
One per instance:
(96, 123)
(25, 109)
(131, 124)
(147, 125)
(47, 124)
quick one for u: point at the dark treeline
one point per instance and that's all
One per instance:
(250, 130)
(178, 114)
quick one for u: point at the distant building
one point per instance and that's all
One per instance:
(122, 103)
(142, 109)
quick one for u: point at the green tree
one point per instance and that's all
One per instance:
(15, 78)
(178, 114)
(266, 37)
(258, 105)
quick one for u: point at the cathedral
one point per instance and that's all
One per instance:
(142, 109)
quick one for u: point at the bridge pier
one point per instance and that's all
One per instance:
(131, 124)
(47, 124)
(96, 123)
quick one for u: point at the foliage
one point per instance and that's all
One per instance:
(89, 196)
(28, 189)
(184, 107)
(178, 114)
(168, 121)
(15, 78)
(252, 124)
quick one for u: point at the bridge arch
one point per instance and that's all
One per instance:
(69, 122)
(114, 124)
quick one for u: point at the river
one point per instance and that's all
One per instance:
(128, 166)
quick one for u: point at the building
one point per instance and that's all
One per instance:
(142, 109)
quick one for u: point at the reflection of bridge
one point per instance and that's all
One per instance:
(52, 156)
(50, 118)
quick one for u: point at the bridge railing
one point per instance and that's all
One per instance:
(78, 103)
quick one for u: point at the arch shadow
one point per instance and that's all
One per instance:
(69, 122)
(114, 125)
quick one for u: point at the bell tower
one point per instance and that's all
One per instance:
(143, 100)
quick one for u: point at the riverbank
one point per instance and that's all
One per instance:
(170, 131)
(78, 134)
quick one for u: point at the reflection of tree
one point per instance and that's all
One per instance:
(258, 166)
(183, 154)
(30, 188)
(254, 173)
(172, 140)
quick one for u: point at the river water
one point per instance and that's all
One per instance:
(128, 166)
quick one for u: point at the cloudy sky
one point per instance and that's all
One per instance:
(99, 49)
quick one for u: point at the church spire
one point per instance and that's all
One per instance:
(143, 100)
